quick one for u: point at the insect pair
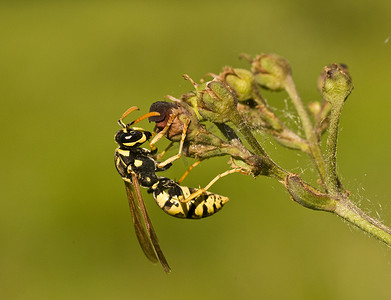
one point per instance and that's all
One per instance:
(138, 167)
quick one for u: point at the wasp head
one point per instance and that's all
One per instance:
(132, 137)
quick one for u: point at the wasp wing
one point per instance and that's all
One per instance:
(137, 218)
(143, 226)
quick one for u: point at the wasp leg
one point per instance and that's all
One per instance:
(188, 171)
(161, 154)
(177, 156)
(199, 192)
(161, 133)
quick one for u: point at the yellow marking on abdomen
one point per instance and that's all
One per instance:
(138, 163)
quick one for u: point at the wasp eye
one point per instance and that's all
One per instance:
(129, 138)
(133, 136)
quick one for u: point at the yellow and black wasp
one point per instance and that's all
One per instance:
(138, 167)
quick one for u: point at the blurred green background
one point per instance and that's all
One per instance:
(69, 69)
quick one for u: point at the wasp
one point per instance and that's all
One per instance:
(138, 167)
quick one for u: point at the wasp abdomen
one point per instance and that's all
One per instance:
(170, 200)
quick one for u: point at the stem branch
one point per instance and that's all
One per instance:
(309, 197)
(357, 217)
(307, 126)
(271, 168)
(331, 149)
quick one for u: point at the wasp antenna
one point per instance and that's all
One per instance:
(150, 114)
(125, 114)
(122, 124)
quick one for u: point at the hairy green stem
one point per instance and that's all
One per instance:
(271, 168)
(309, 197)
(357, 217)
(331, 149)
(246, 132)
(280, 132)
(267, 113)
(307, 126)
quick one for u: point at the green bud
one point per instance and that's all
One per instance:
(192, 99)
(217, 103)
(336, 84)
(241, 81)
(270, 71)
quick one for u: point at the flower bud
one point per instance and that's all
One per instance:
(270, 71)
(241, 82)
(336, 84)
(192, 100)
(217, 103)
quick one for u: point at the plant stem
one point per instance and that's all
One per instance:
(246, 132)
(269, 166)
(331, 149)
(309, 197)
(280, 132)
(357, 217)
(307, 126)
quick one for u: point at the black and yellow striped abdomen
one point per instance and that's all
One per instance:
(170, 200)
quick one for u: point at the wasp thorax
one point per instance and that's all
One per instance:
(132, 137)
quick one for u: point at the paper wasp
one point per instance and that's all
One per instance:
(138, 167)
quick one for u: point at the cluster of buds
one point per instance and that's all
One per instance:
(232, 97)
(233, 102)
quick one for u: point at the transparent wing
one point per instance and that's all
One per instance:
(142, 224)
